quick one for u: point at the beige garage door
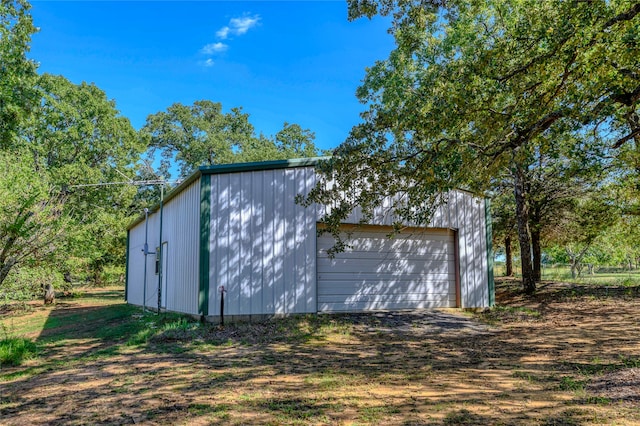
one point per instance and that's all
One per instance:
(414, 269)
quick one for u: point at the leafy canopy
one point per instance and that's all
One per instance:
(202, 134)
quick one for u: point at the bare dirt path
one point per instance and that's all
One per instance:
(569, 356)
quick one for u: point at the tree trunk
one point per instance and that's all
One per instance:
(522, 220)
(508, 255)
(537, 254)
(5, 268)
(573, 269)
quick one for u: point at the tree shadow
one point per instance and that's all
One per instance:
(419, 367)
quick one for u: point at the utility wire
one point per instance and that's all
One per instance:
(132, 182)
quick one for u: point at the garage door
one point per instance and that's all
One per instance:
(414, 269)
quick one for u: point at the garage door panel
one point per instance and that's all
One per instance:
(385, 266)
(444, 256)
(399, 290)
(368, 306)
(391, 298)
(415, 270)
(385, 245)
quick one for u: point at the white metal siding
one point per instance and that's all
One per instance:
(135, 288)
(181, 233)
(466, 213)
(415, 269)
(262, 244)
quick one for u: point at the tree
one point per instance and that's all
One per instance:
(17, 73)
(504, 222)
(203, 135)
(32, 225)
(198, 135)
(472, 90)
(77, 139)
(587, 220)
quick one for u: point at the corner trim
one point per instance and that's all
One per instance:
(489, 230)
(205, 232)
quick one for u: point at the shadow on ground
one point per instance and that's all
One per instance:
(417, 368)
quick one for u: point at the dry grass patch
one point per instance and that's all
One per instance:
(568, 356)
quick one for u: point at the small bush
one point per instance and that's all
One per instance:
(14, 350)
(27, 283)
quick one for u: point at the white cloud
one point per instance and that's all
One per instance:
(223, 33)
(212, 48)
(242, 25)
(238, 26)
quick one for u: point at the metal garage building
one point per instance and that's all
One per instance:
(238, 226)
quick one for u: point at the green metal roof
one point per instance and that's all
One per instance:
(260, 165)
(232, 168)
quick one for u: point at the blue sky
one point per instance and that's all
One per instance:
(295, 61)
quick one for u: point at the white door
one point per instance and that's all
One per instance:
(165, 257)
(414, 269)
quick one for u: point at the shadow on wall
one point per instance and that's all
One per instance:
(262, 244)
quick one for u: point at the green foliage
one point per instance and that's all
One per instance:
(17, 73)
(480, 91)
(77, 137)
(203, 135)
(32, 224)
(15, 350)
(197, 135)
(27, 283)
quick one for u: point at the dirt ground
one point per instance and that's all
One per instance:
(568, 356)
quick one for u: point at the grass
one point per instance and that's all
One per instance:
(601, 277)
(15, 350)
(531, 365)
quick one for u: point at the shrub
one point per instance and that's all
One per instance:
(26, 283)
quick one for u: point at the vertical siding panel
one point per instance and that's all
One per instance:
(256, 260)
(224, 238)
(468, 248)
(136, 265)
(234, 244)
(459, 219)
(299, 277)
(477, 293)
(152, 278)
(244, 258)
(482, 287)
(311, 304)
(289, 235)
(180, 230)
(470, 243)
(279, 241)
(214, 257)
(268, 232)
